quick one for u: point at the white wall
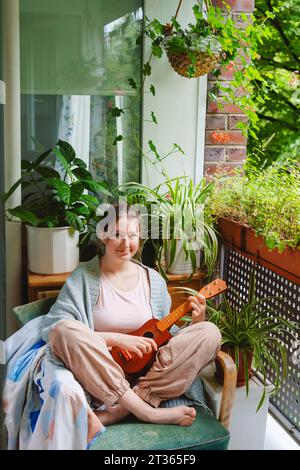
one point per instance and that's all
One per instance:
(179, 105)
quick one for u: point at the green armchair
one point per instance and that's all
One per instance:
(206, 433)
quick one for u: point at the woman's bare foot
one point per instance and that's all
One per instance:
(113, 414)
(181, 415)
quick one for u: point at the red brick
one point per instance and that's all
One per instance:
(236, 5)
(212, 107)
(225, 73)
(213, 168)
(216, 121)
(235, 138)
(236, 154)
(214, 154)
(234, 120)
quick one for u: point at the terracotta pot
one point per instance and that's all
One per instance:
(288, 259)
(233, 232)
(244, 238)
(241, 380)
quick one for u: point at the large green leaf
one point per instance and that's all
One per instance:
(88, 198)
(76, 190)
(79, 162)
(64, 162)
(42, 157)
(74, 221)
(63, 189)
(82, 173)
(67, 150)
(95, 187)
(25, 215)
(5, 196)
(26, 165)
(81, 209)
(48, 172)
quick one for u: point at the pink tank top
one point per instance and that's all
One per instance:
(117, 311)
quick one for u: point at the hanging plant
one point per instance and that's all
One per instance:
(215, 41)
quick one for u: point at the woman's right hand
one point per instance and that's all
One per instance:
(137, 344)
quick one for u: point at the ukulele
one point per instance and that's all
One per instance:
(159, 331)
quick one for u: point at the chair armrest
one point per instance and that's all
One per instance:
(24, 313)
(230, 375)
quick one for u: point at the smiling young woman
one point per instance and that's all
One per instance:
(125, 303)
(81, 387)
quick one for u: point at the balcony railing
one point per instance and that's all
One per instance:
(235, 267)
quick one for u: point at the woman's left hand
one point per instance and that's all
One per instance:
(197, 304)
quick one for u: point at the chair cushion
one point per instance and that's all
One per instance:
(27, 312)
(206, 433)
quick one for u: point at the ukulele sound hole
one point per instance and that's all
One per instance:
(148, 334)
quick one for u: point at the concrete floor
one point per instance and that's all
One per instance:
(277, 438)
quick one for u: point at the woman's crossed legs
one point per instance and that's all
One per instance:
(85, 353)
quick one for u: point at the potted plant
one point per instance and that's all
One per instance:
(56, 208)
(212, 39)
(176, 207)
(259, 213)
(254, 334)
(215, 42)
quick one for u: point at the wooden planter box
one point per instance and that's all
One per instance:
(242, 237)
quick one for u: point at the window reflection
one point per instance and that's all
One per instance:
(76, 58)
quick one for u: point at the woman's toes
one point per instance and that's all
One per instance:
(191, 412)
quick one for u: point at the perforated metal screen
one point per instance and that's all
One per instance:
(236, 271)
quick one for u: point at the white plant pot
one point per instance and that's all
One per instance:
(180, 265)
(52, 250)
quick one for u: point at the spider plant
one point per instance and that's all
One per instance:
(176, 207)
(253, 325)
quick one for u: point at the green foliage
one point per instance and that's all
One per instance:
(254, 325)
(268, 201)
(278, 127)
(218, 34)
(176, 208)
(49, 200)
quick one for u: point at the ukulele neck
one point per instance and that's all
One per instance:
(214, 288)
(173, 317)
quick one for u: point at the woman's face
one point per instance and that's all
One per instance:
(122, 242)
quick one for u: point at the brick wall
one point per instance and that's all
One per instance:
(231, 153)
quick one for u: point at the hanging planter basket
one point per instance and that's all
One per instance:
(181, 62)
(191, 61)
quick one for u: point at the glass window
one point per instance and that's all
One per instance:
(76, 58)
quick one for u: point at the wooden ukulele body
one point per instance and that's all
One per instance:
(129, 361)
(159, 331)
